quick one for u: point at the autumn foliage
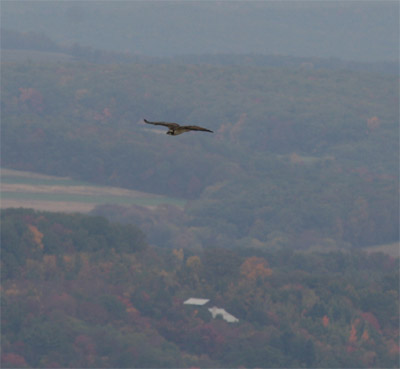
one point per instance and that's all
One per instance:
(255, 268)
(88, 299)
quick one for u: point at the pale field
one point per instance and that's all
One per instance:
(74, 190)
(44, 192)
(392, 249)
(55, 206)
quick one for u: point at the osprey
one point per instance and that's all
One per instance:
(175, 129)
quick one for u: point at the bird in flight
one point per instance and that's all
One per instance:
(175, 129)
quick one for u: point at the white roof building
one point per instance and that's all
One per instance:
(196, 301)
(215, 311)
(225, 315)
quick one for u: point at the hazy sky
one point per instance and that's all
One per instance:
(352, 30)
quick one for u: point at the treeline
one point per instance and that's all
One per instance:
(11, 39)
(35, 41)
(15, 40)
(60, 234)
(78, 291)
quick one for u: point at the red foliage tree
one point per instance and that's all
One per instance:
(11, 360)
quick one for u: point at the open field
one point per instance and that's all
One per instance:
(43, 192)
(392, 249)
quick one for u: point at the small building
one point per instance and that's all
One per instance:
(215, 311)
(225, 315)
(196, 301)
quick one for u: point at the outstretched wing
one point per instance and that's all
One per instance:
(166, 124)
(196, 128)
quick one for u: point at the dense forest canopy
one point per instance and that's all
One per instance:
(79, 291)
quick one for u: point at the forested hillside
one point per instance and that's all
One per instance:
(285, 218)
(301, 156)
(78, 291)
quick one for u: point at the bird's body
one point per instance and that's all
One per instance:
(175, 129)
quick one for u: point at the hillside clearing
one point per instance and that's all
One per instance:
(43, 192)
